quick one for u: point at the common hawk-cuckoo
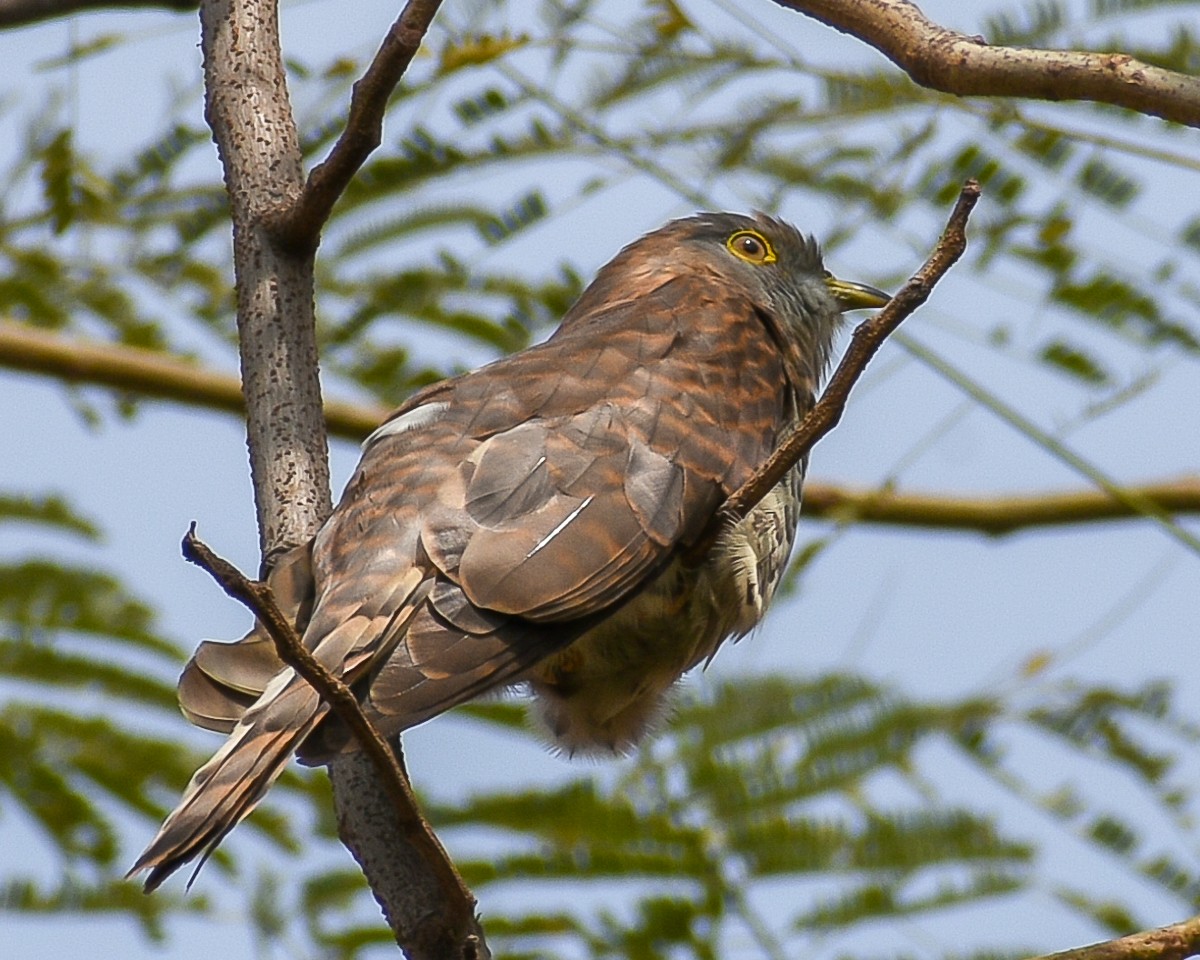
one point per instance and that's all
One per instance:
(532, 522)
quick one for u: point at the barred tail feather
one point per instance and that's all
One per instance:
(224, 791)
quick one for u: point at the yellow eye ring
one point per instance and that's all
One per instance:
(751, 246)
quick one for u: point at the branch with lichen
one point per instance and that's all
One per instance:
(248, 107)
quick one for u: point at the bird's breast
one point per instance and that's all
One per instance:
(605, 691)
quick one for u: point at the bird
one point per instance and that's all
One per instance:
(542, 522)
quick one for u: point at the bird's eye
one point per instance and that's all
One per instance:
(751, 246)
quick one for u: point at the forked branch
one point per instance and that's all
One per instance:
(299, 228)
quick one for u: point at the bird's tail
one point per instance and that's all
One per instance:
(245, 690)
(224, 791)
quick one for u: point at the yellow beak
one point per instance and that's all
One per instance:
(855, 296)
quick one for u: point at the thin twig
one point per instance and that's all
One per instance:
(258, 597)
(867, 339)
(299, 228)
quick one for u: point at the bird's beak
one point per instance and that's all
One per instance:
(855, 296)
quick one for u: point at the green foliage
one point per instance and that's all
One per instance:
(1030, 25)
(476, 51)
(717, 106)
(112, 896)
(1074, 362)
(726, 807)
(889, 900)
(1114, 917)
(50, 511)
(86, 683)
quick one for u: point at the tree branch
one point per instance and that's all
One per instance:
(300, 227)
(1175, 942)
(994, 516)
(19, 13)
(151, 373)
(966, 66)
(248, 107)
(453, 930)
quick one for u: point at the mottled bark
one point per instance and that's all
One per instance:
(247, 106)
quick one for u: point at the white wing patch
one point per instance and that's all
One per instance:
(545, 541)
(416, 418)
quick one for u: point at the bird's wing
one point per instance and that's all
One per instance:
(521, 501)
(542, 490)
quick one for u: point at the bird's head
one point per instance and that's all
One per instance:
(779, 269)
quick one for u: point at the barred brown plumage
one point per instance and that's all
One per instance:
(530, 521)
